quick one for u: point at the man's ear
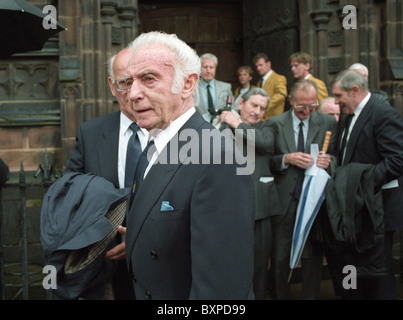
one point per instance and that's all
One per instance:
(190, 85)
(111, 86)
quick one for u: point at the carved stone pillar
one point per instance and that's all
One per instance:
(321, 18)
(128, 14)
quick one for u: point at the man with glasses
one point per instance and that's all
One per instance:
(101, 148)
(297, 130)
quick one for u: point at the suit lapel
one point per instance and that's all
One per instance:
(288, 132)
(355, 132)
(156, 180)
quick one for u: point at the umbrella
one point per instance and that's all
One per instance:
(312, 196)
(23, 27)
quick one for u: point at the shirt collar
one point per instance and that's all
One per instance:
(125, 123)
(204, 83)
(267, 75)
(162, 139)
(361, 105)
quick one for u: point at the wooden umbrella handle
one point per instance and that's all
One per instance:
(326, 142)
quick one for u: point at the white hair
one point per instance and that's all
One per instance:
(359, 66)
(186, 62)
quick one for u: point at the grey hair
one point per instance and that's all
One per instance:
(209, 56)
(359, 66)
(254, 91)
(348, 78)
(109, 66)
(186, 62)
(305, 85)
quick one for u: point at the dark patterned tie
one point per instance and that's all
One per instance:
(344, 141)
(140, 169)
(301, 172)
(132, 155)
(211, 108)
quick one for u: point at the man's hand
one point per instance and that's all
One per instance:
(299, 159)
(118, 252)
(229, 118)
(323, 160)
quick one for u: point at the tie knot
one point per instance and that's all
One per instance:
(134, 127)
(301, 124)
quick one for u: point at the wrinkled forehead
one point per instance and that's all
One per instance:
(151, 56)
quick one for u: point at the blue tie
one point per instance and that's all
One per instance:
(132, 155)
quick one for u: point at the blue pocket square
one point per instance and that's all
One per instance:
(165, 206)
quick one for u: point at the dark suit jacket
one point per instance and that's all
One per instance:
(203, 248)
(267, 201)
(319, 123)
(377, 138)
(96, 151)
(96, 148)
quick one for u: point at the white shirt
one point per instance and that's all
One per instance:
(124, 135)
(163, 138)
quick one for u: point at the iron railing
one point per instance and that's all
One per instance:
(46, 172)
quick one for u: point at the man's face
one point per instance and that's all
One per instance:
(262, 67)
(343, 98)
(304, 103)
(332, 109)
(120, 72)
(252, 110)
(208, 69)
(299, 70)
(152, 72)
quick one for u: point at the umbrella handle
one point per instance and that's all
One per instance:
(326, 142)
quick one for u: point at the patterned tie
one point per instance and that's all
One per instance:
(132, 155)
(140, 169)
(211, 108)
(300, 148)
(344, 141)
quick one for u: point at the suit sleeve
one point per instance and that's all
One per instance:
(389, 142)
(76, 160)
(222, 222)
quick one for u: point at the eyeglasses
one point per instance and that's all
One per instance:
(123, 84)
(310, 107)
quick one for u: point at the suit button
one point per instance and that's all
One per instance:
(153, 255)
(148, 295)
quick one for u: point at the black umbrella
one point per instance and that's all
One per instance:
(22, 27)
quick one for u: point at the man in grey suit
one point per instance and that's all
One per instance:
(298, 129)
(189, 232)
(208, 85)
(252, 107)
(101, 149)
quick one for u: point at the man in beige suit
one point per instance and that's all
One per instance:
(273, 83)
(301, 63)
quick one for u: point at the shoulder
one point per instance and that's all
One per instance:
(99, 122)
(222, 83)
(278, 76)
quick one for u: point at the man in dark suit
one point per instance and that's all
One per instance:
(252, 107)
(189, 232)
(100, 148)
(375, 136)
(298, 129)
